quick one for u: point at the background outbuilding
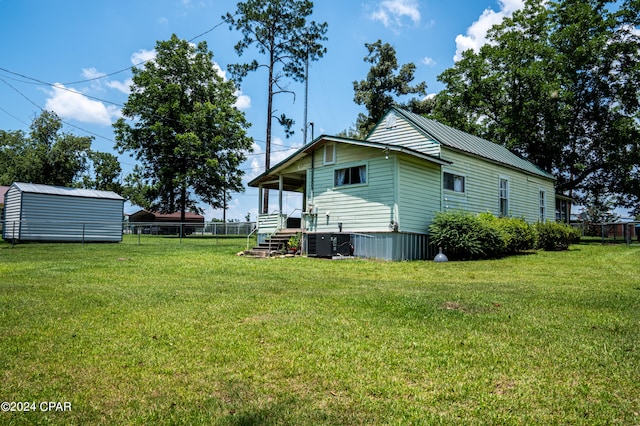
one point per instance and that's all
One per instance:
(35, 212)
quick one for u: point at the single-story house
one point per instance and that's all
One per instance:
(166, 223)
(384, 191)
(35, 212)
(147, 216)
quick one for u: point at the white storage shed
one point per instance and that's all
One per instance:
(36, 212)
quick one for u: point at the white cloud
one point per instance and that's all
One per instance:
(222, 73)
(71, 104)
(428, 61)
(256, 161)
(392, 12)
(92, 73)
(477, 33)
(122, 86)
(279, 150)
(243, 102)
(142, 55)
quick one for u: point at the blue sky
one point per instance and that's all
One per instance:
(51, 48)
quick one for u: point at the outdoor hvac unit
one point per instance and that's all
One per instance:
(329, 245)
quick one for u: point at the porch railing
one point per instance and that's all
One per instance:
(272, 223)
(269, 221)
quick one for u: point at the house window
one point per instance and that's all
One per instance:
(542, 199)
(504, 197)
(562, 207)
(351, 176)
(453, 182)
(329, 153)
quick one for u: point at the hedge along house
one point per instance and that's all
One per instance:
(35, 212)
(383, 192)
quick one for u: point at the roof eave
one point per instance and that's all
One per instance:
(323, 139)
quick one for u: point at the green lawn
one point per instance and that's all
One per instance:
(170, 333)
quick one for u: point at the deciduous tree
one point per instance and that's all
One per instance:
(184, 129)
(46, 155)
(559, 84)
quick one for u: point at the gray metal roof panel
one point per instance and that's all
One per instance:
(462, 141)
(70, 192)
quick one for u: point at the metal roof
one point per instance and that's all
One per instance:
(322, 139)
(69, 192)
(465, 142)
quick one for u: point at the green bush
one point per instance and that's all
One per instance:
(520, 236)
(464, 236)
(554, 236)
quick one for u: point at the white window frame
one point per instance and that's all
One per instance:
(542, 202)
(503, 194)
(350, 167)
(331, 160)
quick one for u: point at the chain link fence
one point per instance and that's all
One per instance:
(611, 232)
(125, 232)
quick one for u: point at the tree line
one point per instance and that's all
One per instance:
(557, 83)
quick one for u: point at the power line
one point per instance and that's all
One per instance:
(88, 80)
(13, 116)
(42, 109)
(59, 86)
(208, 31)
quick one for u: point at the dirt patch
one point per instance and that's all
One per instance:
(504, 386)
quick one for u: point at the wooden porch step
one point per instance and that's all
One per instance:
(274, 244)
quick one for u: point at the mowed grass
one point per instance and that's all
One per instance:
(169, 333)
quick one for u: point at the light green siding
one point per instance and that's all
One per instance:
(361, 207)
(482, 180)
(300, 165)
(418, 194)
(406, 135)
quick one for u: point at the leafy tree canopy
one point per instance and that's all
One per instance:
(51, 157)
(558, 83)
(184, 130)
(386, 81)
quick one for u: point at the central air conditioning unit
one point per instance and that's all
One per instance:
(329, 245)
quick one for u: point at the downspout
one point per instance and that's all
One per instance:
(311, 189)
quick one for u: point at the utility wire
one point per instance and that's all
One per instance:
(42, 109)
(57, 86)
(13, 116)
(87, 80)
(61, 86)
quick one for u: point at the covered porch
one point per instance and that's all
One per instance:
(283, 217)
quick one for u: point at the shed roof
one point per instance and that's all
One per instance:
(465, 142)
(64, 191)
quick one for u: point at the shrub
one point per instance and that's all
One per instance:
(520, 236)
(553, 236)
(464, 236)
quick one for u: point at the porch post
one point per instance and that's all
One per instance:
(259, 201)
(280, 189)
